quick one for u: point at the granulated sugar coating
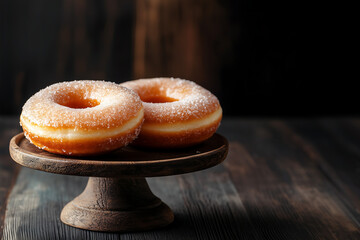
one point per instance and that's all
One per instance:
(82, 118)
(82, 104)
(170, 100)
(178, 113)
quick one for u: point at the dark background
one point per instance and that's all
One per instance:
(266, 58)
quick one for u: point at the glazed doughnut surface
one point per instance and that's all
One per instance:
(82, 117)
(178, 113)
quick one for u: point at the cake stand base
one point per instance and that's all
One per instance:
(115, 205)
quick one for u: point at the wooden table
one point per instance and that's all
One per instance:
(282, 179)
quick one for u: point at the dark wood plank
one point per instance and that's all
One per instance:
(175, 39)
(334, 145)
(8, 169)
(35, 204)
(281, 180)
(284, 193)
(44, 43)
(206, 199)
(206, 206)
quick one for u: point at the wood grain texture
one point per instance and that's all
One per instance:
(285, 193)
(118, 198)
(125, 162)
(200, 204)
(180, 38)
(48, 42)
(291, 179)
(8, 170)
(334, 145)
(117, 205)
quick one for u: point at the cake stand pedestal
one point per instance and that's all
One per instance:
(117, 197)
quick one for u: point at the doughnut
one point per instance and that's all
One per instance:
(178, 113)
(82, 118)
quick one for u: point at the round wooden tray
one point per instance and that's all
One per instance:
(117, 196)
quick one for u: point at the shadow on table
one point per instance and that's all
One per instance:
(199, 225)
(257, 225)
(225, 225)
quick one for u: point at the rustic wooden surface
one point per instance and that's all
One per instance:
(282, 179)
(117, 197)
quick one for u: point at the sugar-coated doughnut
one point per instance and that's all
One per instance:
(178, 113)
(82, 117)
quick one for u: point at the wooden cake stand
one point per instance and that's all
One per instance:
(117, 196)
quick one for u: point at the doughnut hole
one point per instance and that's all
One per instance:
(76, 100)
(157, 99)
